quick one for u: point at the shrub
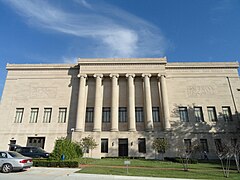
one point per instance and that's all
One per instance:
(55, 163)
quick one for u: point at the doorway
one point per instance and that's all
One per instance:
(123, 147)
(36, 141)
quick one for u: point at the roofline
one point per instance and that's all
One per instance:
(39, 66)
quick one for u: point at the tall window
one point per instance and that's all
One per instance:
(218, 145)
(89, 114)
(227, 115)
(234, 142)
(212, 115)
(47, 115)
(19, 115)
(155, 114)
(188, 145)
(34, 115)
(104, 145)
(141, 145)
(204, 145)
(198, 114)
(122, 114)
(62, 115)
(183, 114)
(106, 114)
(139, 114)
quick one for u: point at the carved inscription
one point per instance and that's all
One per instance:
(43, 92)
(199, 91)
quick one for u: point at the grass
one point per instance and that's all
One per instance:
(154, 168)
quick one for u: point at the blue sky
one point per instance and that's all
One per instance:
(60, 31)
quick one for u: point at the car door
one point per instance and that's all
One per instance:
(3, 158)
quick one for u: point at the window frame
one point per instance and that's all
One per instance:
(89, 117)
(204, 145)
(198, 114)
(34, 115)
(139, 114)
(122, 114)
(156, 114)
(104, 145)
(62, 115)
(19, 115)
(183, 113)
(106, 114)
(227, 117)
(212, 113)
(142, 145)
(47, 115)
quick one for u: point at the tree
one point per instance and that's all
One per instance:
(160, 145)
(88, 143)
(236, 154)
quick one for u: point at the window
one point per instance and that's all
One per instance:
(47, 115)
(19, 115)
(155, 114)
(62, 115)
(212, 115)
(198, 114)
(218, 145)
(204, 145)
(233, 142)
(122, 114)
(106, 114)
(183, 114)
(139, 114)
(227, 115)
(89, 115)
(34, 115)
(104, 145)
(188, 145)
(141, 145)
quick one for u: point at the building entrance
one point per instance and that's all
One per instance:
(123, 147)
(36, 141)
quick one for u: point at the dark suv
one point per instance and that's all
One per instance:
(34, 152)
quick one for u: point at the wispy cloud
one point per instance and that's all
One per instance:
(117, 32)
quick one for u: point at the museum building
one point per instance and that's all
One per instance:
(123, 103)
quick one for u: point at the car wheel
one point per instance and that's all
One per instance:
(6, 168)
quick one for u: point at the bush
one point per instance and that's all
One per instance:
(178, 160)
(55, 163)
(64, 146)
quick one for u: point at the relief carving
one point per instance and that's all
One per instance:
(43, 92)
(199, 91)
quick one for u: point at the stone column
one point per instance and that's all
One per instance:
(166, 123)
(97, 126)
(148, 102)
(81, 110)
(131, 103)
(115, 102)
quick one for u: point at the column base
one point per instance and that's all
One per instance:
(114, 130)
(96, 130)
(78, 130)
(132, 130)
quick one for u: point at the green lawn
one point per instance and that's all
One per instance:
(153, 168)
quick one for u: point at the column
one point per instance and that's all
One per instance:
(131, 103)
(148, 102)
(97, 126)
(115, 102)
(166, 123)
(81, 110)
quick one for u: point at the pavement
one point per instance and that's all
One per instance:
(43, 173)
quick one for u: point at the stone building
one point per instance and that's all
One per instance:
(124, 104)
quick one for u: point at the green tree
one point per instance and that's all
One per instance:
(160, 145)
(88, 143)
(64, 146)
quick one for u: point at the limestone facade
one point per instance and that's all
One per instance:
(123, 103)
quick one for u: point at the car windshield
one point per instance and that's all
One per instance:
(40, 150)
(15, 154)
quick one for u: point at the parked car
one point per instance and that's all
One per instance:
(32, 151)
(11, 160)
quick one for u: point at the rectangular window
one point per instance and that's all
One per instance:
(204, 145)
(106, 114)
(19, 115)
(141, 145)
(34, 115)
(218, 144)
(183, 114)
(198, 114)
(188, 145)
(89, 115)
(227, 115)
(47, 115)
(233, 142)
(122, 114)
(139, 114)
(155, 114)
(62, 115)
(212, 115)
(104, 145)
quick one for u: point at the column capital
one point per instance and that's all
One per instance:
(114, 75)
(161, 75)
(82, 75)
(148, 75)
(130, 75)
(98, 75)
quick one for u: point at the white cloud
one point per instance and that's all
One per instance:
(119, 33)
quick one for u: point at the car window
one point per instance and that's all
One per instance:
(3, 155)
(15, 154)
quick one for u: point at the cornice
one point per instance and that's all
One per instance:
(203, 65)
(41, 66)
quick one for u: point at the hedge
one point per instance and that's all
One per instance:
(55, 163)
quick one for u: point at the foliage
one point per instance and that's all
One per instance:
(88, 143)
(64, 146)
(55, 163)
